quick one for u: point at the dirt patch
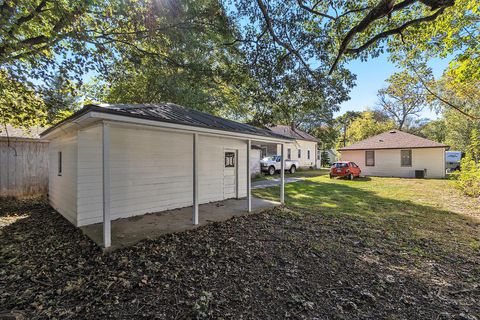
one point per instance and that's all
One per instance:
(281, 263)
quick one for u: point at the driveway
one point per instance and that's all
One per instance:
(273, 182)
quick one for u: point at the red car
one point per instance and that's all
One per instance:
(345, 169)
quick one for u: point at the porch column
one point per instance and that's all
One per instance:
(195, 179)
(249, 177)
(107, 238)
(282, 174)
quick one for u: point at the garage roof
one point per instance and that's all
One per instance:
(294, 133)
(394, 139)
(172, 113)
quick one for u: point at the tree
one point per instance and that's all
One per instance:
(330, 30)
(468, 179)
(403, 99)
(60, 98)
(201, 72)
(19, 104)
(40, 38)
(344, 121)
(435, 130)
(367, 125)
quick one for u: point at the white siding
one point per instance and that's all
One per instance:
(304, 146)
(62, 191)
(151, 171)
(212, 163)
(255, 155)
(387, 162)
(89, 191)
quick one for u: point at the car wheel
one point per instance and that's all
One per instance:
(292, 169)
(331, 177)
(271, 170)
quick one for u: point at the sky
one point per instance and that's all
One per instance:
(371, 76)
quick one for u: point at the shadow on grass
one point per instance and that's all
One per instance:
(415, 222)
(335, 252)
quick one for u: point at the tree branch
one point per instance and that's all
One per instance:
(316, 12)
(448, 103)
(288, 47)
(383, 8)
(390, 32)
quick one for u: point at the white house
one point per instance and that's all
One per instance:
(303, 148)
(397, 154)
(117, 161)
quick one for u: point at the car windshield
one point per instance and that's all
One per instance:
(272, 158)
(340, 165)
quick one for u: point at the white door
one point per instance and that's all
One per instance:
(230, 174)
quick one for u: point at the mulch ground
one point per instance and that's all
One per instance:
(282, 263)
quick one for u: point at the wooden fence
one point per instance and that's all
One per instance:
(23, 168)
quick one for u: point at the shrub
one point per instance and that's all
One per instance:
(468, 179)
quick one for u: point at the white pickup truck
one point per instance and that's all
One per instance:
(272, 164)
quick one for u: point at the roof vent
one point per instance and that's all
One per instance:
(393, 131)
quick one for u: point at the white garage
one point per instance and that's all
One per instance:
(117, 161)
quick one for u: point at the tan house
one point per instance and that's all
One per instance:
(303, 148)
(397, 154)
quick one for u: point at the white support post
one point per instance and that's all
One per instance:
(107, 228)
(195, 179)
(249, 177)
(282, 174)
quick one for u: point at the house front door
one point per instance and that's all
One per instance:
(230, 175)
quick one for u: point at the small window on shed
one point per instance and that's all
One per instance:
(299, 153)
(406, 156)
(370, 158)
(229, 159)
(289, 154)
(59, 163)
(308, 154)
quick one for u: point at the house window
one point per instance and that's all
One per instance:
(299, 153)
(59, 163)
(229, 159)
(370, 158)
(406, 158)
(308, 154)
(289, 154)
(264, 152)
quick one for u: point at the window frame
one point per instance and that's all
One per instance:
(308, 154)
(289, 154)
(401, 158)
(366, 158)
(59, 163)
(299, 153)
(230, 163)
(264, 152)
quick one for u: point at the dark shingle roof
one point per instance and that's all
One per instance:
(173, 113)
(294, 133)
(394, 139)
(22, 133)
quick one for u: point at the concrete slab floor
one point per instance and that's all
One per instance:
(128, 231)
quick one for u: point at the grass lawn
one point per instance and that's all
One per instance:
(377, 248)
(304, 173)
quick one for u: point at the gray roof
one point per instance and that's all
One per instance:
(394, 139)
(21, 133)
(294, 133)
(173, 113)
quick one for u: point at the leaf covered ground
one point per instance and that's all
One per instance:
(371, 248)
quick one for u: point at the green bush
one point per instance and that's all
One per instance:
(468, 179)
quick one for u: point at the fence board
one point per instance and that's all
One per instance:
(23, 168)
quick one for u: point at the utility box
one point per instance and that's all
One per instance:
(420, 174)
